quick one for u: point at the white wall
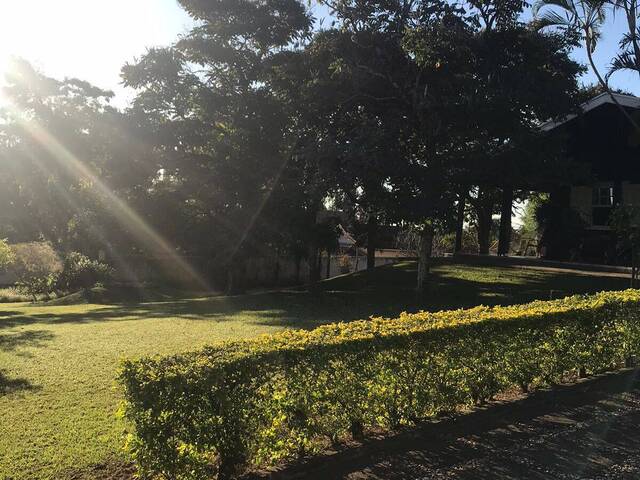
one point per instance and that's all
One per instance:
(360, 264)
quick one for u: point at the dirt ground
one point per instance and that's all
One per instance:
(589, 430)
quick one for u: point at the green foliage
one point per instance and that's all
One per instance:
(255, 402)
(625, 222)
(6, 255)
(80, 271)
(37, 267)
(529, 221)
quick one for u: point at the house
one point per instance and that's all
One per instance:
(602, 143)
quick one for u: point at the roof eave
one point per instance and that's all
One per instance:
(628, 101)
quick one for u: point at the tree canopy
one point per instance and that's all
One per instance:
(257, 121)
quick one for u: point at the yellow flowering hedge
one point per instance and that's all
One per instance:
(254, 402)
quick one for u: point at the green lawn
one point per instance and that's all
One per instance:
(57, 363)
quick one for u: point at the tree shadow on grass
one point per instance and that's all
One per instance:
(388, 292)
(32, 338)
(14, 385)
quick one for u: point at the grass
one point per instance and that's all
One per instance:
(57, 362)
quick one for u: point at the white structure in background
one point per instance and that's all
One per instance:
(351, 258)
(346, 243)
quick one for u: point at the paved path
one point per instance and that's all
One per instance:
(589, 430)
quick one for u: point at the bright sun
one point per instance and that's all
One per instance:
(35, 29)
(86, 39)
(23, 30)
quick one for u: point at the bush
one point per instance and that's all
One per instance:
(37, 266)
(81, 272)
(6, 255)
(257, 401)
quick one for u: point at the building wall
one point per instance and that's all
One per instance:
(582, 198)
(631, 193)
(599, 244)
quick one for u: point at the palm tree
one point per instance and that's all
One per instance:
(629, 56)
(583, 18)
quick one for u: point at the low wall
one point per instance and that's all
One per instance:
(540, 262)
(265, 271)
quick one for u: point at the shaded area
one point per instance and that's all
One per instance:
(582, 431)
(111, 469)
(31, 338)
(386, 292)
(12, 385)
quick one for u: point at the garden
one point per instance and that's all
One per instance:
(301, 224)
(59, 395)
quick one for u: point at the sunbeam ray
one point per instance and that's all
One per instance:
(123, 213)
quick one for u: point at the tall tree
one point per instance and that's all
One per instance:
(525, 78)
(221, 133)
(58, 138)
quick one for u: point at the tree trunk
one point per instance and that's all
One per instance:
(276, 269)
(424, 257)
(314, 248)
(328, 264)
(484, 213)
(506, 208)
(460, 220)
(298, 261)
(483, 206)
(484, 234)
(372, 230)
(634, 267)
(234, 278)
(314, 270)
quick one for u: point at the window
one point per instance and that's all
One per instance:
(602, 204)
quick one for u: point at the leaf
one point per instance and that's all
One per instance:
(552, 19)
(623, 61)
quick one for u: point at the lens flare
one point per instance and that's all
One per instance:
(123, 213)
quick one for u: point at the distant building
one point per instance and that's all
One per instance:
(602, 142)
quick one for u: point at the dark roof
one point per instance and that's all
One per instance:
(628, 101)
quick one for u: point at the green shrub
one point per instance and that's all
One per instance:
(13, 295)
(255, 402)
(79, 271)
(36, 266)
(6, 255)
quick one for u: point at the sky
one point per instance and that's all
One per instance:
(92, 40)
(606, 49)
(87, 39)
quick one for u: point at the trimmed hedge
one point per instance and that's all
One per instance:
(254, 402)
